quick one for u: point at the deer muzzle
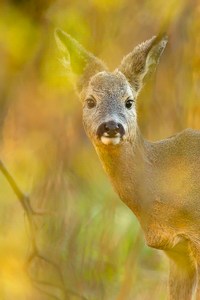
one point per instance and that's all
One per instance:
(110, 132)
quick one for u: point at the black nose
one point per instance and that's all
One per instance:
(110, 128)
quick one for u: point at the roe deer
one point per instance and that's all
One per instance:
(158, 181)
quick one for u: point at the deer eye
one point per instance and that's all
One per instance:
(91, 102)
(129, 103)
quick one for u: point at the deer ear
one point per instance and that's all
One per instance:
(139, 64)
(75, 58)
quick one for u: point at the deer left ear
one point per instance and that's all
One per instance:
(77, 59)
(139, 64)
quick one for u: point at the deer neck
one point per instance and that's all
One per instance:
(127, 166)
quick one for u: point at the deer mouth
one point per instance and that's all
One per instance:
(110, 133)
(111, 140)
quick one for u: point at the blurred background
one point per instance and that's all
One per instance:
(89, 242)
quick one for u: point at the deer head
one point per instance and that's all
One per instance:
(109, 98)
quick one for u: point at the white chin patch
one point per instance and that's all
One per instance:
(110, 141)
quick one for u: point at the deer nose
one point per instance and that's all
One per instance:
(110, 129)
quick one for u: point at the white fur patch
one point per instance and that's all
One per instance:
(110, 141)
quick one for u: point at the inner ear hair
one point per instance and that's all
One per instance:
(83, 63)
(139, 64)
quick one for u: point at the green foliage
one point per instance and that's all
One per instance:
(87, 231)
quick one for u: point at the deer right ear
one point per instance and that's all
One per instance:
(81, 62)
(142, 61)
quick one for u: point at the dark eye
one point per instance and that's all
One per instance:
(129, 103)
(91, 102)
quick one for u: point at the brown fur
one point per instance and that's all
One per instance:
(160, 181)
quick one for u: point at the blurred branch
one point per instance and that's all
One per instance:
(21, 197)
(25, 202)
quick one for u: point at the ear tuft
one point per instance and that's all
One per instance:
(58, 37)
(157, 48)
